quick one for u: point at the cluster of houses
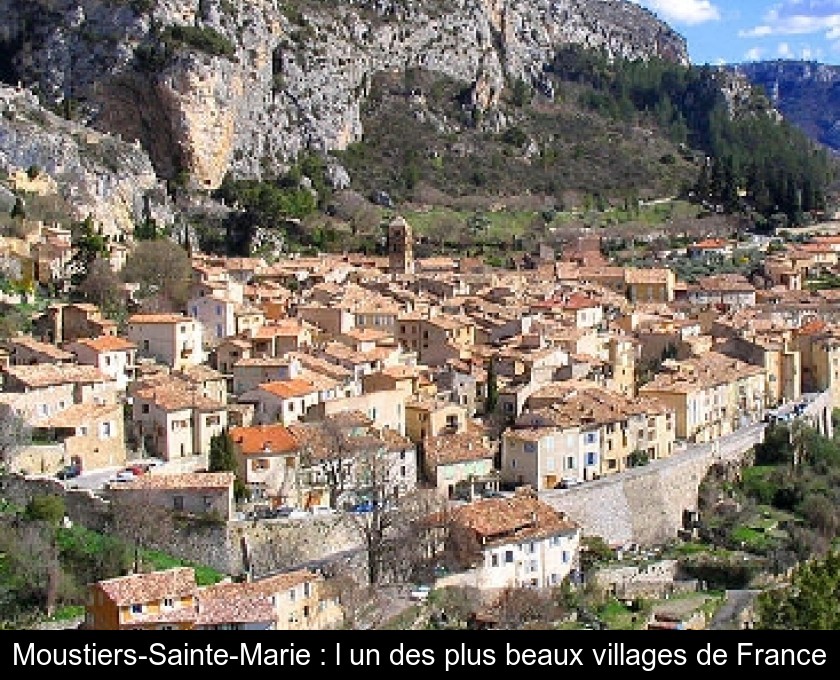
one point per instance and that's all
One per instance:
(441, 373)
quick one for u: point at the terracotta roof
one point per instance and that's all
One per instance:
(177, 582)
(47, 375)
(710, 244)
(170, 393)
(646, 275)
(287, 389)
(106, 343)
(232, 603)
(500, 521)
(456, 448)
(185, 480)
(264, 439)
(44, 348)
(158, 318)
(80, 414)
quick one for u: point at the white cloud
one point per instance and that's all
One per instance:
(688, 12)
(757, 32)
(798, 17)
(784, 51)
(753, 54)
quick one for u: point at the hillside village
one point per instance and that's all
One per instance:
(442, 406)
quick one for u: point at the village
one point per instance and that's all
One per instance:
(440, 407)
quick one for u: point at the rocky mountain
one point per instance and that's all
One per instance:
(806, 93)
(212, 86)
(96, 174)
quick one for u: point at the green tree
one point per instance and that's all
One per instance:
(46, 508)
(222, 458)
(492, 389)
(811, 602)
(89, 245)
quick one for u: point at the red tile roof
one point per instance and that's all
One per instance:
(264, 439)
(139, 588)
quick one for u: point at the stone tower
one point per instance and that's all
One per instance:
(400, 247)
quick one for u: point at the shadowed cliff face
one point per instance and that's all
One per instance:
(806, 93)
(209, 86)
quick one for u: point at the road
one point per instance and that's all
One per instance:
(726, 617)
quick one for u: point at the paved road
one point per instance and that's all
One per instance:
(726, 617)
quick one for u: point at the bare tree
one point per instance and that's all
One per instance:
(103, 288)
(328, 452)
(163, 271)
(138, 519)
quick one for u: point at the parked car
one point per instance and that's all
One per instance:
(321, 510)
(568, 483)
(420, 593)
(299, 514)
(363, 506)
(136, 470)
(123, 476)
(69, 472)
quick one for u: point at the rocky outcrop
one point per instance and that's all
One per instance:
(97, 174)
(209, 86)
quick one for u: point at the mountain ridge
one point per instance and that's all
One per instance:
(807, 93)
(210, 86)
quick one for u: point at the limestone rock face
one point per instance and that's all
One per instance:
(211, 86)
(97, 174)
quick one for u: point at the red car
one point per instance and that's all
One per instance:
(137, 470)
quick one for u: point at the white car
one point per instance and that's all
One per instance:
(420, 593)
(123, 476)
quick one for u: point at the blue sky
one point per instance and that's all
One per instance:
(752, 30)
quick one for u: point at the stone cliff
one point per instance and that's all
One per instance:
(211, 86)
(97, 174)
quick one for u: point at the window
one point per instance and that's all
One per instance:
(553, 579)
(513, 463)
(178, 502)
(168, 603)
(105, 430)
(306, 611)
(494, 560)
(565, 557)
(549, 464)
(292, 595)
(531, 548)
(530, 447)
(145, 345)
(307, 589)
(533, 565)
(137, 609)
(508, 556)
(591, 458)
(556, 541)
(144, 408)
(260, 464)
(570, 462)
